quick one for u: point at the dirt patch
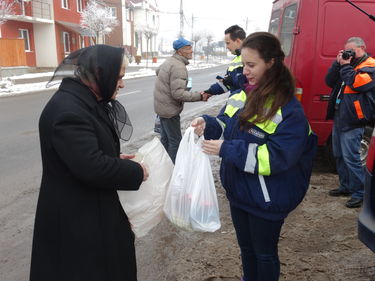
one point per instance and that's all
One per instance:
(318, 241)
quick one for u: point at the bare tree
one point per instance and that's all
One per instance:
(195, 39)
(209, 38)
(148, 32)
(97, 18)
(6, 9)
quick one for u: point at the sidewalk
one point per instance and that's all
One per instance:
(36, 82)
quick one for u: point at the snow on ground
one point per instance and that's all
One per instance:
(144, 68)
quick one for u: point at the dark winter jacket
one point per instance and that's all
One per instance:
(81, 231)
(233, 79)
(356, 104)
(265, 169)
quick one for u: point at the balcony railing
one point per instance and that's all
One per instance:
(41, 9)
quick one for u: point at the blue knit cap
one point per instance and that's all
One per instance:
(180, 42)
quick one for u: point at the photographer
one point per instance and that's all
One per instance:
(351, 77)
(233, 78)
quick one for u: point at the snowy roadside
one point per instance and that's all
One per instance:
(10, 86)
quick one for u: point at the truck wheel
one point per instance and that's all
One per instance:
(365, 144)
(363, 150)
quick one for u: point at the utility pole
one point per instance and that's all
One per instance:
(192, 34)
(181, 19)
(192, 26)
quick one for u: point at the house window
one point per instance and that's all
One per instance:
(79, 6)
(66, 42)
(24, 34)
(65, 4)
(112, 12)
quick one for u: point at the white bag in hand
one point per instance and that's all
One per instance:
(191, 201)
(144, 207)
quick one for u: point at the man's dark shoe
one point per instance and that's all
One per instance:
(354, 203)
(338, 192)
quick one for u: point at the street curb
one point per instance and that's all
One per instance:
(41, 90)
(23, 93)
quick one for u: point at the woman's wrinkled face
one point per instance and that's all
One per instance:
(120, 82)
(254, 66)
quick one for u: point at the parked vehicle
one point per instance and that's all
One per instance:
(366, 220)
(312, 32)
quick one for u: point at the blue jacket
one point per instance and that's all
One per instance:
(232, 81)
(356, 105)
(266, 169)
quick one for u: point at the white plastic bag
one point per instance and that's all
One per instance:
(191, 201)
(144, 207)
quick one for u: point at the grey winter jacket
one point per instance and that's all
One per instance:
(170, 87)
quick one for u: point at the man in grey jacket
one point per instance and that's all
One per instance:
(170, 93)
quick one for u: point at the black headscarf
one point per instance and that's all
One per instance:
(99, 64)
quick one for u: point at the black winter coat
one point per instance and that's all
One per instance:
(81, 231)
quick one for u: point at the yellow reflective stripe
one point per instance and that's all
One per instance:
(230, 110)
(264, 167)
(236, 63)
(310, 130)
(270, 126)
(235, 103)
(237, 59)
(233, 67)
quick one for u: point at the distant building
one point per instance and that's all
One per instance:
(44, 32)
(50, 30)
(146, 24)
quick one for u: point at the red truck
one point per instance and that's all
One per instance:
(312, 32)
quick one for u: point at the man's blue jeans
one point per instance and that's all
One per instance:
(170, 135)
(346, 149)
(258, 239)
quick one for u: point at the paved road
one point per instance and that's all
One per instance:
(19, 144)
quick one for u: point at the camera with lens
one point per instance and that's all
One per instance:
(347, 54)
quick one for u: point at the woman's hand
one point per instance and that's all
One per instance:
(145, 172)
(199, 125)
(212, 147)
(127, 156)
(131, 156)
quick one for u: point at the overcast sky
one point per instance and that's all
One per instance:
(213, 16)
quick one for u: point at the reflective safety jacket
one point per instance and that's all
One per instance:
(234, 79)
(356, 103)
(265, 169)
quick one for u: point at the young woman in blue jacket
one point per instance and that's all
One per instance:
(267, 150)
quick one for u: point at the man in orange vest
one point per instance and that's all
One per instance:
(351, 106)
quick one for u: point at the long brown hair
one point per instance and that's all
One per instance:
(276, 86)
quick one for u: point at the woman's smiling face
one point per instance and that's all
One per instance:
(254, 66)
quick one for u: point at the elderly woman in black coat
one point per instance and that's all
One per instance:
(81, 231)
